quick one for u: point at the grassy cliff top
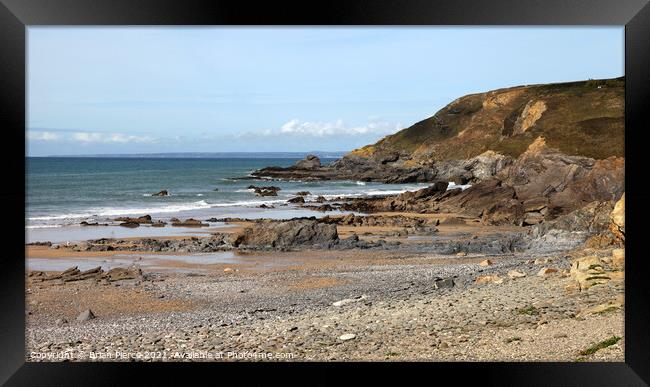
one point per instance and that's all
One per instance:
(583, 118)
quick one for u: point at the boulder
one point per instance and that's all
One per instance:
(285, 234)
(589, 271)
(303, 193)
(161, 193)
(122, 273)
(486, 262)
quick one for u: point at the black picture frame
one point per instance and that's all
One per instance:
(17, 15)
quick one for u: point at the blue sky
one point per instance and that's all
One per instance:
(147, 90)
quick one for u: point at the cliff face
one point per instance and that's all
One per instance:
(578, 118)
(479, 135)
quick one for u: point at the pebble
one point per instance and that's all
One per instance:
(347, 336)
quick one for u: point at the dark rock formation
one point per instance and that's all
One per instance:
(74, 274)
(189, 223)
(161, 193)
(287, 234)
(297, 199)
(145, 219)
(265, 191)
(310, 162)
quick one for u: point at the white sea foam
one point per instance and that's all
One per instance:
(32, 226)
(111, 211)
(361, 183)
(453, 185)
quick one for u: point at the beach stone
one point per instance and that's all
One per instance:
(486, 262)
(482, 279)
(545, 271)
(227, 270)
(347, 336)
(349, 300)
(516, 274)
(446, 283)
(86, 315)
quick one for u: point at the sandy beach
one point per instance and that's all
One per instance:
(283, 302)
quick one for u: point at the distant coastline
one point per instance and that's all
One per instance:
(210, 155)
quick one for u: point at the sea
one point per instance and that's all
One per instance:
(61, 192)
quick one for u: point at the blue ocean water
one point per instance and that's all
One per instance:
(67, 190)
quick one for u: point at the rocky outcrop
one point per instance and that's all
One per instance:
(188, 223)
(617, 216)
(310, 162)
(296, 200)
(568, 182)
(161, 193)
(287, 234)
(593, 270)
(540, 185)
(407, 225)
(145, 219)
(74, 274)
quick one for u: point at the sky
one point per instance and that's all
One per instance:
(121, 90)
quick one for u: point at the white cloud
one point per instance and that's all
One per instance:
(42, 136)
(88, 137)
(336, 128)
